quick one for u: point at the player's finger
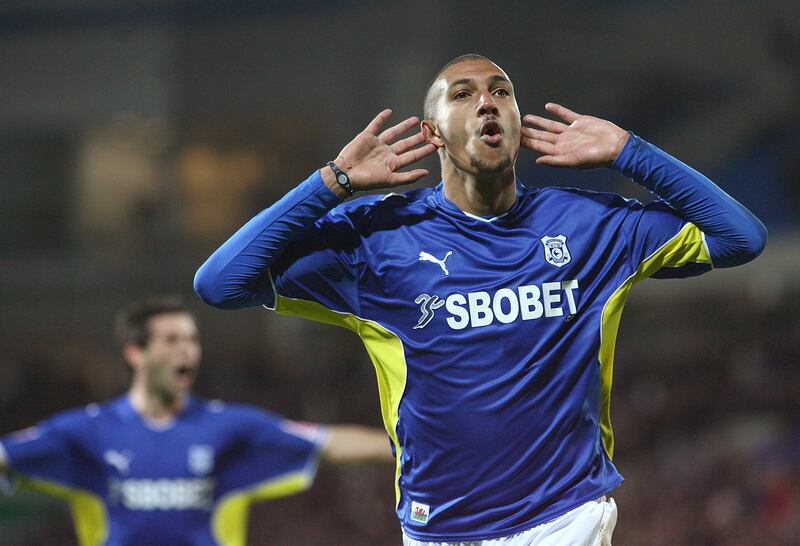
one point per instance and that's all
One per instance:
(375, 125)
(539, 146)
(539, 135)
(553, 160)
(395, 131)
(398, 179)
(544, 123)
(564, 113)
(406, 144)
(415, 155)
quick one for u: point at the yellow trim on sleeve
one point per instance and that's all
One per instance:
(88, 510)
(385, 349)
(229, 517)
(685, 247)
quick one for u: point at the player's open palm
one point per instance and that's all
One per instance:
(373, 159)
(583, 142)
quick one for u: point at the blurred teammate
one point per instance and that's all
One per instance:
(160, 467)
(490, 310)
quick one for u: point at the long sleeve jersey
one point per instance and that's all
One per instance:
(492, 338)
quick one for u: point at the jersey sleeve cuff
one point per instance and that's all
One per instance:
(320, 189)
(626, 163)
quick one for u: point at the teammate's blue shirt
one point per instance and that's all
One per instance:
(189, 484)
(492, 338)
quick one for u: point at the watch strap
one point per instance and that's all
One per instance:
(341, 178)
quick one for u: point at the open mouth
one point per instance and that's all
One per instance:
(185, 372)
(491, 132)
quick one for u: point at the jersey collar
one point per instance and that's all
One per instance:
(510, 215)
(128, 411)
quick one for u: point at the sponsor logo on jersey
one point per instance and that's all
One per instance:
(200, 459)
(427, 257)
(420, 512)
(121, 460)
(556, 251)
(163, 494)
(506, 305)
(427, 305)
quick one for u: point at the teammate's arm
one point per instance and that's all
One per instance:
(733, 234)
(355, 444)
(46, 451)
(3, 460)
(234, 276)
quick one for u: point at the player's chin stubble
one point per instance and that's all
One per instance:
(484, 167)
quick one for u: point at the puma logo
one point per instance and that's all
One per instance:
(119, 460)
(426, 257)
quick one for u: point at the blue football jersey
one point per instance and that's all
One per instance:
(188, 484)
(492, 338)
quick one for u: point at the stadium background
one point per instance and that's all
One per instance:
(136, 135)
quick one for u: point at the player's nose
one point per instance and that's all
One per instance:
(486, 104)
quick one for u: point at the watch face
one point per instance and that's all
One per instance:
(342, 178)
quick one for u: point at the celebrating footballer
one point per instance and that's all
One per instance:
(489, 307)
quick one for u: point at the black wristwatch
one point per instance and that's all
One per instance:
(341, 178)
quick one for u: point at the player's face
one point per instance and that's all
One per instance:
(172, 354)
(478, 118)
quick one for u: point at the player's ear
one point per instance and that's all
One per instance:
(132, 355)
(431, 133)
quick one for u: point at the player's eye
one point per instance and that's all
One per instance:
(461, 95)
(502, 92)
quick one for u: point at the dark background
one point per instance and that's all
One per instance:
(135, 136)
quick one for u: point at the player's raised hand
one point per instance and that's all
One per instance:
(582, 142)
(374, 158)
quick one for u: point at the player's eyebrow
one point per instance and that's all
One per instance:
(462, 81)
(498, 78)
(470, 81)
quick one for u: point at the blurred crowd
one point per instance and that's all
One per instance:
(706, 409)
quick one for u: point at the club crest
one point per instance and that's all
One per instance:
(555, 250)
(200, 459)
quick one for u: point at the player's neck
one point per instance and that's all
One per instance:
(154, 408)
(487, 195)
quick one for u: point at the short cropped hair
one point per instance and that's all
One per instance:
(131, 326)
(432, 97)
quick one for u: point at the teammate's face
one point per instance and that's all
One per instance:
(477, 119)
(169, 360)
